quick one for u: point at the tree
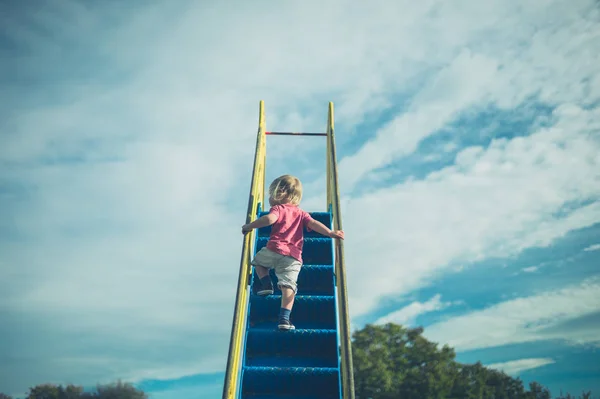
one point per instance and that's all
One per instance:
(375, 361)
(5, 396)
(116, 390)
(51, 391)
(584, 395)
(538, 391)
(44, 391)
(119, 390)
(391, 362)
(471, 382)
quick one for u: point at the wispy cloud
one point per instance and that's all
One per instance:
(514, 367)
(493, 202)
(498, 198)
(456, 87)
(523, 319)
(595, 247)
(409, 313)
(530, 269)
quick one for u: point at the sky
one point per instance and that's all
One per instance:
(468, 138)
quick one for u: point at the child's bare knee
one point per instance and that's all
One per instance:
(287, 286)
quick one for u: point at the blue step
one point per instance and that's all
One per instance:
(291, 382)
(310, 311)
(291, 397)
(297, 348)
(301, 363)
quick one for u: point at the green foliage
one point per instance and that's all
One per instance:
(5, 396)
(584, 395)
(539, 391)
(116, 390)
(119, 391)
(44, 391)
(393, 362)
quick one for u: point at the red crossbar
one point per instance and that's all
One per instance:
(294, 134)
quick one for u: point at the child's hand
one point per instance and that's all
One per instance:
(246, 229)
(337, 234)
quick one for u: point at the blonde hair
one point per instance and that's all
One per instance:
(286, 189)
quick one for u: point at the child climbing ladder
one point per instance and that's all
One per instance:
(283, 252)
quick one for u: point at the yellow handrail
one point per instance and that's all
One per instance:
(333, 200)
(257, 188)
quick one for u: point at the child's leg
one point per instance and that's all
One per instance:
(287, 302)
(264, 258)
(287, 274)
(287, 298)
(261, 271)
(265, 280)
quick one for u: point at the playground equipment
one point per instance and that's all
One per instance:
(314, 361)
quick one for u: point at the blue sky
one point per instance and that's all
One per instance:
(468, 137)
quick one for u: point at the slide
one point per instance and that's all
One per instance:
(314, 361)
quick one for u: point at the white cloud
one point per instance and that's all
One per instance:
(514, 367)
(496, 200)
(501, 72)
(530, 269)
(409, 313)
(522, 320)
(493, 202)
(454, 88)
(594, 247)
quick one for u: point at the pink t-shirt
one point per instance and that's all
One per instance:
(286, 233)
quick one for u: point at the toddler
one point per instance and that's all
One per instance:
(283, 251)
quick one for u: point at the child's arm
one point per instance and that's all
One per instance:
(324, 230)
(263, 221)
